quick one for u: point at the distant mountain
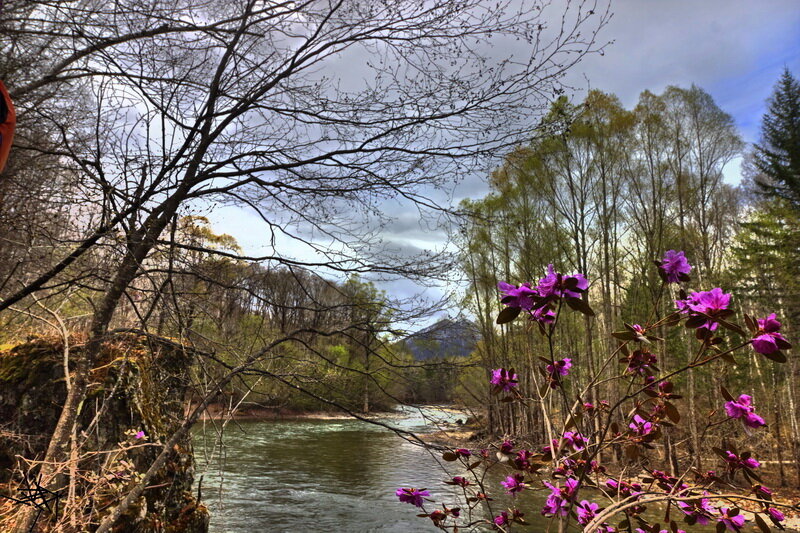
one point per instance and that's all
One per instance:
(446, 338)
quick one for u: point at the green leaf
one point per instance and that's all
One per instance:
(762, 525)
(777, 356)
(672, 412)
(578, 304)
(508, 314)
(725, 394)
(751, 324)
(731, 326)
(720, 452)
(695, 321)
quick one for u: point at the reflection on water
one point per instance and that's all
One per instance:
(330, 476)
(315, 475)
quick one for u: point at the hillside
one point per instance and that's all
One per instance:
(445, 338)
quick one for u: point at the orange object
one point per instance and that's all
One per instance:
(8, 121)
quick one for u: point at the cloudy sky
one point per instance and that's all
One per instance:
(734, 49)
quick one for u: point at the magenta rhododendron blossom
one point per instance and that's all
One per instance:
(412, 496)
(640, 426)
(709, 303)
(460, 481)
(556, 285)
(462, 452)
(683, 305)
(522, 461)
(140, 435)
(775, 514)
(575, 439)
(700, 509)
(743, 409)
(514, 483)
(735, 462)
(640, 361)
(762, 492)
(767, 338)
(507, 446)
(543, 314)
(558, 501)
(504, 379)
(732, 522)
(586, 511)
(502, 519)
(560, 367)
(521, 296)
(623, 488)
(675, 266)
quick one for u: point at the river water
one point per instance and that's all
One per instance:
(330, 476)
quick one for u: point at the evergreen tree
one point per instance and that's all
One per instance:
(778, 154)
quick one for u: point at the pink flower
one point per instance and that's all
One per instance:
(675, 266)
(140, 435)
(558, 501)
(522, 460)
(504, 519)
(514, 483)
(700, 509)
(640, 361)
(735, 462)
(575, 439)
(744, 410)
(762, 492)
(731, 521)
(501, 519)
(503, 379)
(560, 367)
(544, 314)
(640, 426)
(412, 496)
(708, 303)
(557, 285)
(586, 511)
(775, 515)
(623, 488)
(522, 296)
(767, 339)
(460, 481)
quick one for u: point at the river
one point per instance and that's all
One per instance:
(328, 476)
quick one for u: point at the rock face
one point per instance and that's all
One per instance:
(446, 338)
(139, 384)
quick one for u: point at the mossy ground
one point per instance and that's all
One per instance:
(140, 382)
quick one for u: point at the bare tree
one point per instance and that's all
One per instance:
(310, 113)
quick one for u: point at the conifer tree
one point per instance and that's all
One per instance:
(778, 154)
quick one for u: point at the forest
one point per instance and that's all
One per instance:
(605, 191)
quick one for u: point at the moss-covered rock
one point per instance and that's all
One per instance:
(139, 383)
